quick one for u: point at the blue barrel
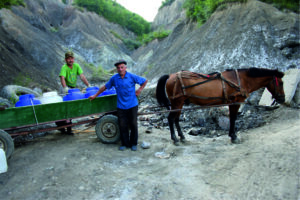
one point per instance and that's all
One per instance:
(73, 94)
(91, 91)
(27, 100)
(108, 92)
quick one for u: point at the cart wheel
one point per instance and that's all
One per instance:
(6, 143)
(107, 129)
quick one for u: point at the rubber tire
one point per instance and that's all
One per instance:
(6, 143)
(107, 129)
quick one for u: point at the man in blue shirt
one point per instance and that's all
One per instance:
(127, 103)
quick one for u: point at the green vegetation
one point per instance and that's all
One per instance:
(149, 67)
(98, 73)
(23, 79)
(292, 5)
(166, 3)
(129, 43)
(144, 39)
(160, 34)
(13, 99)
(9, 3)
(54, 29)
(116, 13)
(201, 10)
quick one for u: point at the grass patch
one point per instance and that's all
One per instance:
(201, 10)
(149, 67)
(23, 79)
(160, 34)
(98, 73)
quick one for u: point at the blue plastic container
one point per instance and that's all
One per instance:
(27, 100)
(73, 94)
(108, 92)
(91, 91)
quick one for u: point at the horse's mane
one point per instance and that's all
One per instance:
(261, 72)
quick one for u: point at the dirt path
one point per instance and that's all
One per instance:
(265, 166)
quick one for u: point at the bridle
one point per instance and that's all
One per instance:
(275, 82)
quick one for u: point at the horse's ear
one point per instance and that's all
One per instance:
(279, 74)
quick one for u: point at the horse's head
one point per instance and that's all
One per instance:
(276, 87)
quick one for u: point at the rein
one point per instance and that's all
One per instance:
(186, 109)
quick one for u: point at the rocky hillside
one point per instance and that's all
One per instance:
(252, 34)
(170, 16)
(33, 40)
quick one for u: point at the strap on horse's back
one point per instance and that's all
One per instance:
(238, 87)
(190, 75)
(213, 76)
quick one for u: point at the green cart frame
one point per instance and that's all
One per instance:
(28, 119)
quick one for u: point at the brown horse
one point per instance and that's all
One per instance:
(229, 87)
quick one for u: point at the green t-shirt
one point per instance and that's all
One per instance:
(70, 74)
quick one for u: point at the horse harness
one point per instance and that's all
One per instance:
(276, 85)
(209, 77)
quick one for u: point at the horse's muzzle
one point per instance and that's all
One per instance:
(280, 98)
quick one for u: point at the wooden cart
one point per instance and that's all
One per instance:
(32, 119)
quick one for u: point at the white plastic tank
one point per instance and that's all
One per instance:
(50, 97)
(3, 163)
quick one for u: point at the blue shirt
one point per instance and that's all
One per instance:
(125, 89)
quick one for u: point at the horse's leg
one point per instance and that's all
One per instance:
(233, 110)
(171, 119)
(180, 133)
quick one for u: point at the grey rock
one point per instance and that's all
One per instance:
(149, 130)
(145, 145)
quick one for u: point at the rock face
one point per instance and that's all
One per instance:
(33, 40)
(170, 16)
(239, 35)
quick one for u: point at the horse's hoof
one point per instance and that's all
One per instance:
(176, 143)
(236, 141)
(183, 140)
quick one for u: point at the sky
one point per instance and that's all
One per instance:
(145, 8)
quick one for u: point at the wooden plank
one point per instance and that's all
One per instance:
(28, 115)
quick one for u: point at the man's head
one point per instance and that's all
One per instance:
(69, 54)
(120, 62)
(121, 67)
(69, 57)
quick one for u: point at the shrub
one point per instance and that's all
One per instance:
(9, 3)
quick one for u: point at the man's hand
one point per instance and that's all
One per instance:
(92, 97)
(66, 89)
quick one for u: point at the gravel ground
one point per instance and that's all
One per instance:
(265, 166)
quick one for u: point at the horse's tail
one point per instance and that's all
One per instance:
(161, 95)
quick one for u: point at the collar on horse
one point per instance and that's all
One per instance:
(209, 77)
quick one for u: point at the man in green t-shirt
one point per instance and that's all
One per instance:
(69, 72)
(68, 78)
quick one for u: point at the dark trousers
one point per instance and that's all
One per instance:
(67, 122)
(128, 120)
(62, 123)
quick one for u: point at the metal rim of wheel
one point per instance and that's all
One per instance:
(6, 143)
(107, 129)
